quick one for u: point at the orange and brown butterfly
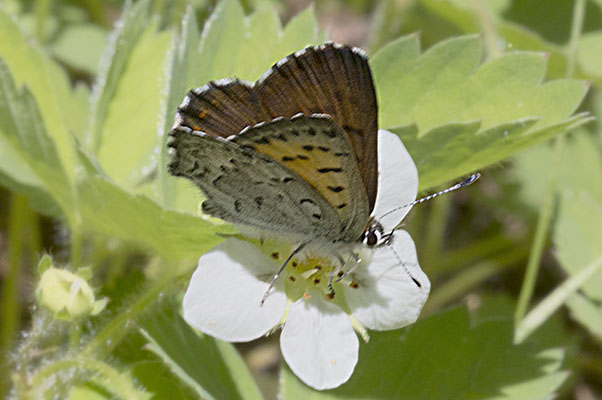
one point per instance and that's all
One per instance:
(294, 153)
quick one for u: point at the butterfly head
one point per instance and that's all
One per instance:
(374, 235)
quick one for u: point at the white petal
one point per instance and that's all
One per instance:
(319, 343)
(397, 180)
(224, 294)
(387, 296)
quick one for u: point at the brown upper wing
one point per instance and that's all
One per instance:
(328, 79)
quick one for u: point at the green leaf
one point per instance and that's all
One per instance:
(122, 41)
(80, 46)
(589, 56)
(579, 153)
(437, 20)
(83, 392)
(128, 135)
(177, 193)
(213, 369)
(235, 46)
(443, 357)
(302, 30)
(17, 176)
(45, 264)
(587, 313)
(536, 317)
(48, 84)
(27, 142)
(221, 41)
(261, 37)
(159, 380)
(577, 235)
(465, 116)
(109, 209)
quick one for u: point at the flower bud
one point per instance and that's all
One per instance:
(66, 294)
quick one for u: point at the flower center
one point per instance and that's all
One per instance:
(316, 273)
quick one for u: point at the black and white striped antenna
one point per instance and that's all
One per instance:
(468, 181)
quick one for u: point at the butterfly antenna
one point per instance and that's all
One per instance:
(275, 278)
(403, 264)
(468, 181)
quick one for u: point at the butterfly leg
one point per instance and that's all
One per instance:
(356, 260)
(275, 278)
(337, 272)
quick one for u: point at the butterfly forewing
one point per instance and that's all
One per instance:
(221, 108)
(328, 79)
(316, 149)
(334, 80)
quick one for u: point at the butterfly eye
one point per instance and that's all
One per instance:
(372, 237)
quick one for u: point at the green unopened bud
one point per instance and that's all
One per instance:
(67, 295)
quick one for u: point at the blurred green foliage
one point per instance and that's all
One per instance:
(88, 91)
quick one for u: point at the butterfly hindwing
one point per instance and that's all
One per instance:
(243, 186)
(329, 79)
(316, 149)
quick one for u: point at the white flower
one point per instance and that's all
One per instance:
(385, 291)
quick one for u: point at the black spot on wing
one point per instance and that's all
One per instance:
(336, 189)
(262, 140)
(325, 170)
(353, 130)
(331, 133)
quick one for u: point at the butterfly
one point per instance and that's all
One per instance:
(294, 153)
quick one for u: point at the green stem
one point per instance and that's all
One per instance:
(10, 292)
(75, 334)
(541, 232)
(96, 10)
(471, 277)
(383, 18)
(112, 333)
(576, 27)
(475, 251)
(545, 217)
(120, 384)
(488, 25)
(25, 354)
(77, 242)
(554, 301)
(435, 230)
(42, 10)
(9, 317)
